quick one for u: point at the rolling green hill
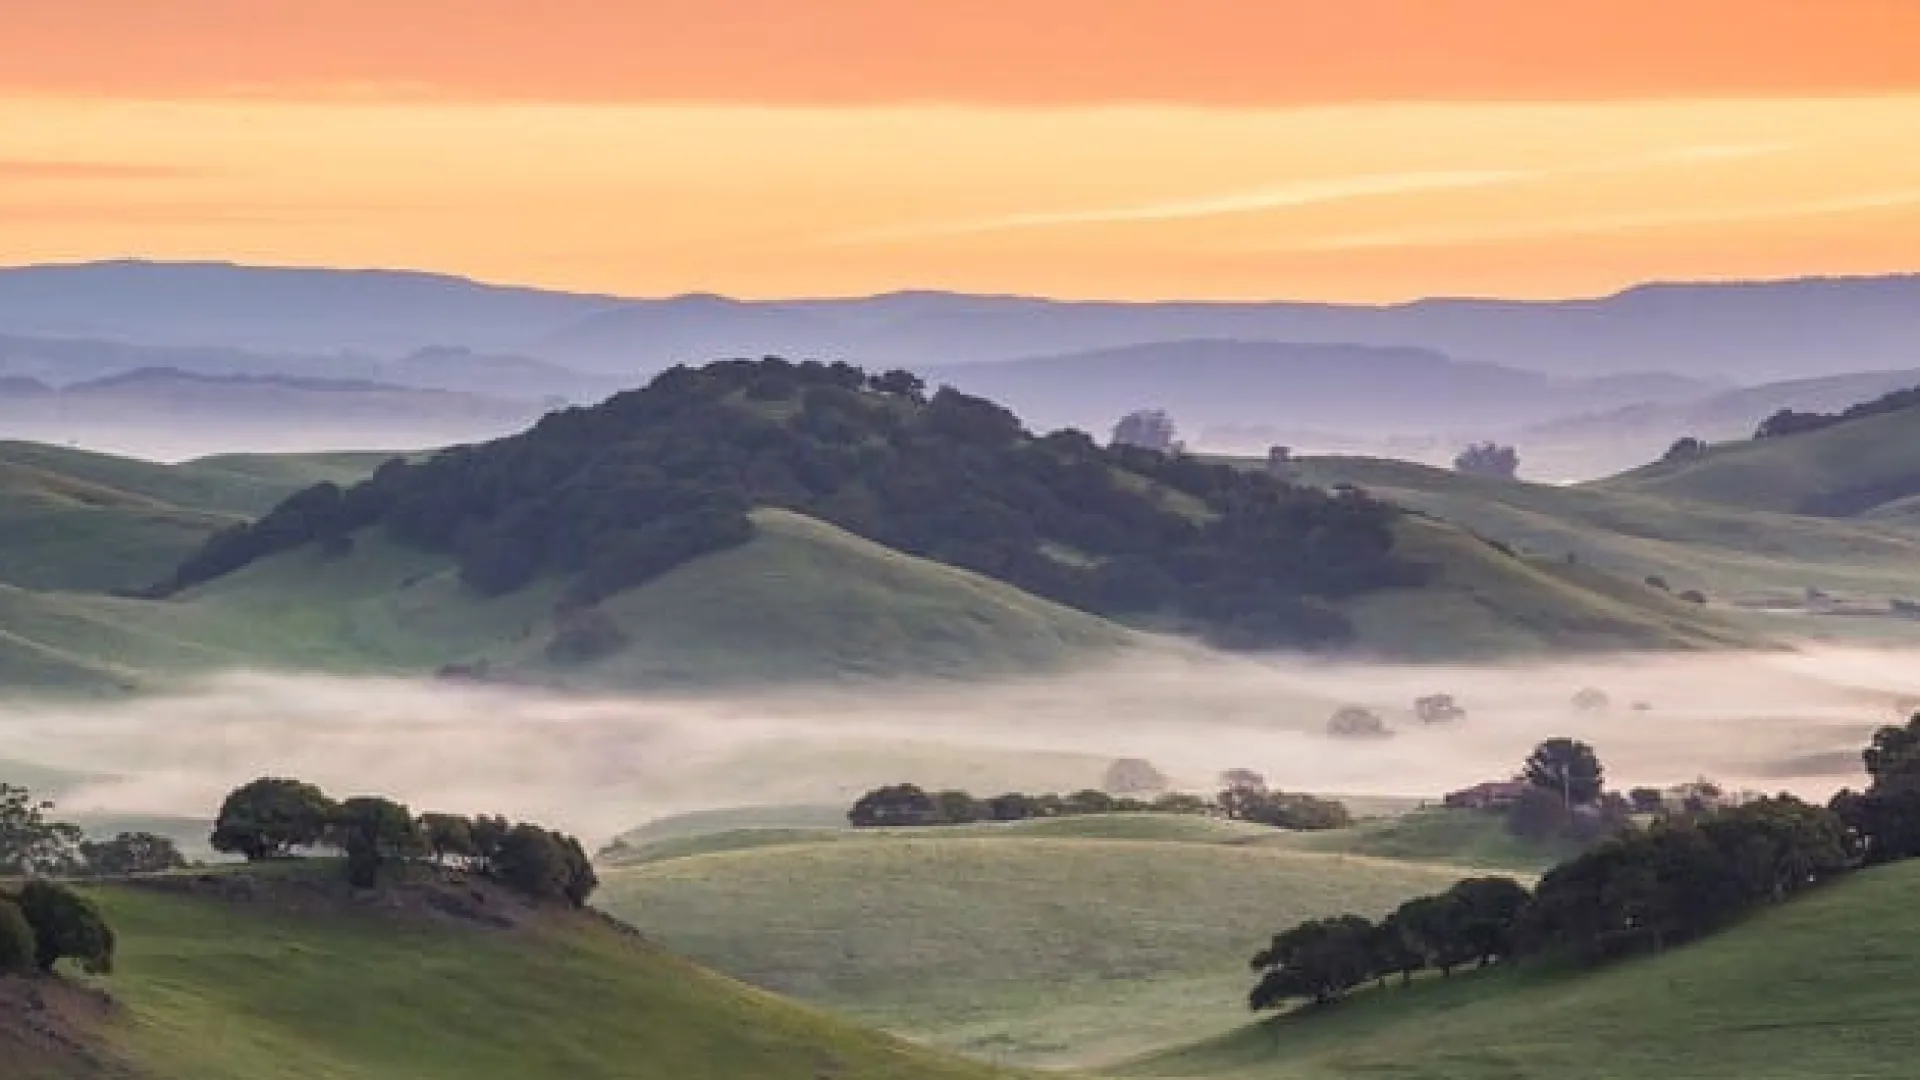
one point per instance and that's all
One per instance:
(802, 600)
(75, 520)
(1026, 945)
(1843, 470)
(288, 986)
(1818, 988)
(1730, 553)
(1485, 602)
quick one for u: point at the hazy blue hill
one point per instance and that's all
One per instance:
(277, 309)
(1741, 330)
(1375, 390)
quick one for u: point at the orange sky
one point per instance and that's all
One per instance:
(1364, 149)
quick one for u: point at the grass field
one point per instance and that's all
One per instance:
(801, 601)
(1819, 988)
(237, 991)
(75, 520)
(1485, 602)
(1169, 828)
(1026, 945)
(1632, 531)
(1798, 473)
(1462, 837)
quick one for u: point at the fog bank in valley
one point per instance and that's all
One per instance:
(597, 765)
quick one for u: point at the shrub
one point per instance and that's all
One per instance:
(66, 925)
(269, 817)
(1353, 722)
(582, 635)
(18, 949)
(1133, 776)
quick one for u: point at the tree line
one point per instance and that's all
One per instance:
(611, 496)
(274, 817)
(1642, 889)
(43, 921)
(908, 805)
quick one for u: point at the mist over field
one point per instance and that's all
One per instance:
(1774, 721)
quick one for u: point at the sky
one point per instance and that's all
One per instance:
(1366, 150)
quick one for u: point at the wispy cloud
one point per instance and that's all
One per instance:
(1309, 193)
(1305, 193)
(1594, 224)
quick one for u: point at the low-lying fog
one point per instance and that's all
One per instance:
(597, 766)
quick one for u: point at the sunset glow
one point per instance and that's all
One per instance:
(1204, 149)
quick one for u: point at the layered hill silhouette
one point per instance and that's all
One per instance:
(1744, 330)
(612, 497)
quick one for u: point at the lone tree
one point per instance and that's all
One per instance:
(448, 834)
(29, 843)
(1318, 960)
(545, 865)
(1567, 767)
(132, 853)
(66, 925)
(896, 804)
(1354, 722)
(268, 817)
(1686, 448)
(375, 833)
(1488, 459)
(1243, 779)
(1150, 429)
(1133, 776)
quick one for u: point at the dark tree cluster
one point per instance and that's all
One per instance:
(1489, 459)
(611, 496)
(35, 845)
(1681, 879)
(1790, 422)
(1883, 822)
(44, 922)
(1476, 921)
(1684, 876)
(274, 817)
(897, 805)
(1673, 882)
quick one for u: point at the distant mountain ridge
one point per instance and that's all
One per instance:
(1381, 390)
(169, 413)
(1741, 330)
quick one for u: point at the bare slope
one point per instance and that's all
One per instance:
(285, 985)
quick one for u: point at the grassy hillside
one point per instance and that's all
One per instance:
(212, 989)
(1819, 988)
(1022, 945)
(75, 520)
(802, 600)
(1463, 837)
(1842, 470)
(1485, 602)
(1730, 553)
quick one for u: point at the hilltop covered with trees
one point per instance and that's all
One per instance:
(609, 497)
(897, 805)
(276, 817)
(1641, 889)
